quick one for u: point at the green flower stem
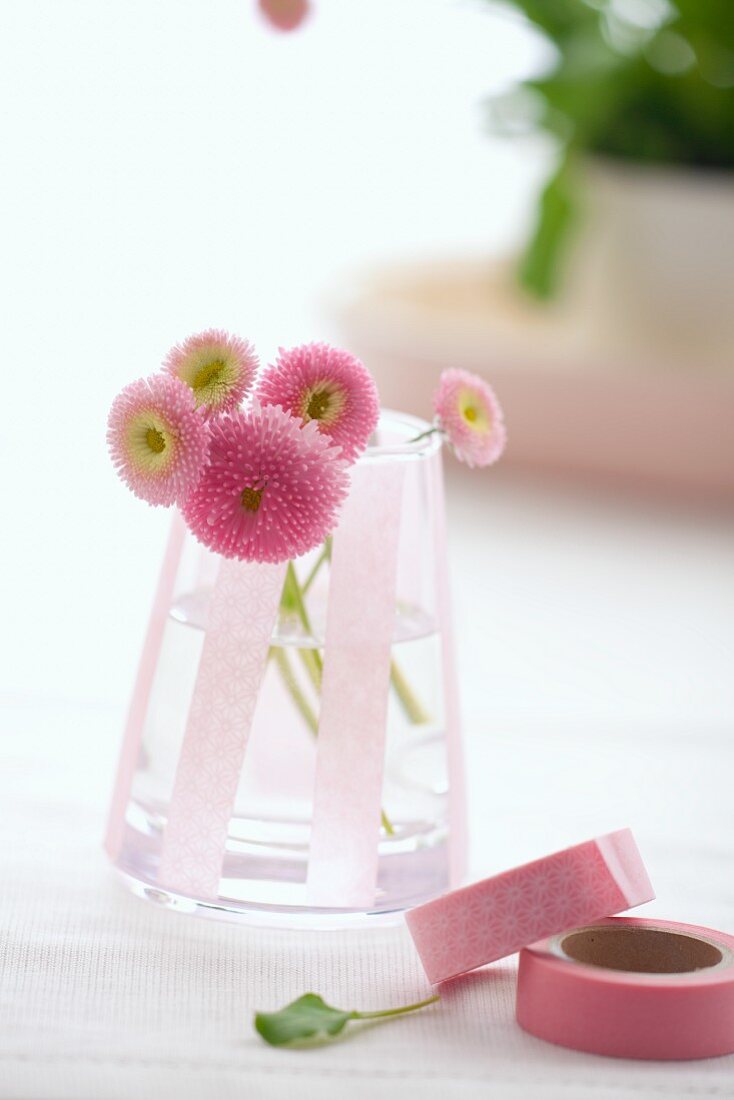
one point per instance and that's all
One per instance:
(396, 1011)
(297, 595)
(312, 662)
(311, 658)
(410, 703)
(325, 555)
(285, 668)
(424, 435)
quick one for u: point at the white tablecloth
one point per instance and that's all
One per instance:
(596, 663)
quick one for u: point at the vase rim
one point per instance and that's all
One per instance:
(402, 429)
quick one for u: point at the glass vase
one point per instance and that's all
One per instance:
(419, 842)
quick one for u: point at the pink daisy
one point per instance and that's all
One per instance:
(470, 415)
(318, 383)
(286, 15)
(219, 368)
(271, 489)
(157, 439)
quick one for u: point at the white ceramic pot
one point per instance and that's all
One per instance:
(627, 378)
(653, 264)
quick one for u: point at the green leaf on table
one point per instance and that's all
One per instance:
(310, 1017)
(305, 1018)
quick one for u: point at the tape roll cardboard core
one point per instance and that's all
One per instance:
(640, 950)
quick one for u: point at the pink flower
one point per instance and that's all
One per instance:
(219, 368)
(468, 412)
(271, 489)
(157, 439)
(286, 15)
(318, 383)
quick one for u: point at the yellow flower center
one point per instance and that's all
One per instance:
(474, 413)
(323, 401)
(250, 498)
(207, 375)
(318, 405)
(151, 442)
(155, 440)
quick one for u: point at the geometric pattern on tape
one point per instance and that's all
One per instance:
(345, 832)
(472, 927)
(242, 612)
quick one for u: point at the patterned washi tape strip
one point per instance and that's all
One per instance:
(342, 870)
(496, 917)
(130, 749)
(242, 614)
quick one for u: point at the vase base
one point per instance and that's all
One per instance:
(264, 884)
(257, 916)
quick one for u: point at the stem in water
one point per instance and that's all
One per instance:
(311, 658)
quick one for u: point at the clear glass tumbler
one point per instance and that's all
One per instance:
(265, 864)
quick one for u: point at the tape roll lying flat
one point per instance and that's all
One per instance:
(496, 917)
(631, 988)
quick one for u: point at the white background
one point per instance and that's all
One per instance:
(173, 164)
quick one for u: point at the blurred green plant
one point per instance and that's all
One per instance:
(644, 81)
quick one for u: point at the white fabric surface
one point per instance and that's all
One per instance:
(596, 661)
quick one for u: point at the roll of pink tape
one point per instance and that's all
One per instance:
(631, 988)
(496, 917)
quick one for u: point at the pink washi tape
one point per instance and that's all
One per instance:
(631, 988)
(131, 742)
(343, 856)
(496, 917)
(242, 613)
(458, 832)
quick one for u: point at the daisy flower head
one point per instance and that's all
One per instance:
(157, 439)
(326, 386)
(285, 15)
(219, 369)
(271, 489)
(469, 414)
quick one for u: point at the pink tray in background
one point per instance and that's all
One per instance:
(653, 418)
